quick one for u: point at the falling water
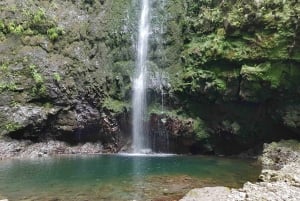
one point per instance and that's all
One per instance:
(139, 84)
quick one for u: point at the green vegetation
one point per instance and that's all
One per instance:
(38, 17)
(15, 29)
(238, 44)
(54, 33)
(200, 129)
(14, 103)
(2, 29)
(115, 106)
(39, 89)
(10, 127)
(4, 68)
(200, 82)
(7, 87)
(36, 76)
(155, 108)
(2, 25)
(263, 72)
(57, 77)
(6, 81)
(235, 39)
(231, 65)
(33, 23)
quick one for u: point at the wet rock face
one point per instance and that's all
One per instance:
(171, 134)
(230, 66)
(55, 63)
(21, 117)
(238, 75)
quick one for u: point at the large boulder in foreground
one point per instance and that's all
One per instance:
(278, 181)
(207, 194)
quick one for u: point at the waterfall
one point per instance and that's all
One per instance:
(139, 82)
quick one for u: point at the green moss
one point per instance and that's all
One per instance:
(57, 77)
(11, 26)
(200, 82)
(246, 31)
(39, 88)
(156, 108)
(10, 127)
(38, 79)
(18, 29)
(115, 106)
(199, 126)
(32, 22)
(2, 30)
(221, 85)
(7, 87)
(14, 103)
(39, 16)
(2, 25)
(216, 47)
(222, 45)
(267, 80)
(4, 68)
(54, 33)
(263, 72)
(200, 129)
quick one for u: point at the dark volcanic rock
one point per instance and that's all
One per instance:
(171, 134)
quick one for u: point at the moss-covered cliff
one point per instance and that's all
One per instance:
(239, 75)
(56, 59)
(228, 72)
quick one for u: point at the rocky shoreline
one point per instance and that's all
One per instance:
(27, 149)
(279, 179)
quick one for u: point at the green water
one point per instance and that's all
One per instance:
(116, 177)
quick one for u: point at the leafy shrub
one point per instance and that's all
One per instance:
(54, 32)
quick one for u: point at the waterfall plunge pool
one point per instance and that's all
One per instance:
(119, 177)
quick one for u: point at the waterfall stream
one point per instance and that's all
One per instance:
(139, 83)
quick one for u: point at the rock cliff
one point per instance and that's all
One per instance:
(56, 59)
(227, 72)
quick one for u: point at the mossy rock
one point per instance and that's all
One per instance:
(115, 106)
(264, 81)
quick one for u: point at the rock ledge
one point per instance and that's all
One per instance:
(27, 149)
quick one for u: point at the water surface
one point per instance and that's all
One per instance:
(119, 177)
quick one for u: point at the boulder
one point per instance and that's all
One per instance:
(207, 194)
(279, 179)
